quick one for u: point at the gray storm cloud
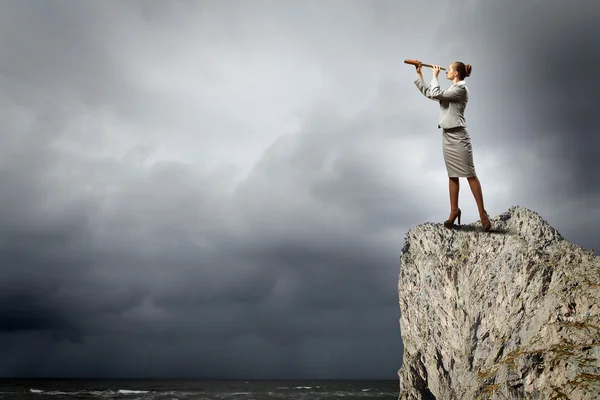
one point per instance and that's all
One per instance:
(206, 190)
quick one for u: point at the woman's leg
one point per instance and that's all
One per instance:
(453, 186)
(476, 189)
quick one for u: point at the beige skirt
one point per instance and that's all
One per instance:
(458, 154)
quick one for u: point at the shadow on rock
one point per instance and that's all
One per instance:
(474, 228)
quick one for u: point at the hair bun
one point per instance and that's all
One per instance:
(468, 70)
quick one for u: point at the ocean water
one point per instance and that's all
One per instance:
(58, 389)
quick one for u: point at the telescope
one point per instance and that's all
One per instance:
(415, 62)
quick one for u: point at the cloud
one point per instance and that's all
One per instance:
(224, 190)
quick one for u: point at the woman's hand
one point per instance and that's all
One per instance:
(418, 68)
(436, 70)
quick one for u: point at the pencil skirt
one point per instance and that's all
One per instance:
(458, 153)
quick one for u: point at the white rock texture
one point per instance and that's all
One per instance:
(508, 314)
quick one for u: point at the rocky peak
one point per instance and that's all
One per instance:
(508, 314)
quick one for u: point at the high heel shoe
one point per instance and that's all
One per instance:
(485, 222)
(449, 223)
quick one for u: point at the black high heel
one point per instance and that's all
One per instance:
(449, 223)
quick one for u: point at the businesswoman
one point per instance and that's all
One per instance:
(456, 142)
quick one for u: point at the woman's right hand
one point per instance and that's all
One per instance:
(418, 67)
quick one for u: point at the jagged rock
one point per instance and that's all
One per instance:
(507, 314)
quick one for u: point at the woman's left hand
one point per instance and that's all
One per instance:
(436, 70)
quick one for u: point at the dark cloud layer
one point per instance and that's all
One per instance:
(113, 265)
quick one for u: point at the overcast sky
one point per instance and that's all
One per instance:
(221, 188)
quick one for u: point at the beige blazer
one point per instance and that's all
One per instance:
(453, 102)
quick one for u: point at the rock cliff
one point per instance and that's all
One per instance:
(513, 313)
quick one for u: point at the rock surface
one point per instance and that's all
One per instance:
(508, 314)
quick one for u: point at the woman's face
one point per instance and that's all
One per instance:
(451, 72)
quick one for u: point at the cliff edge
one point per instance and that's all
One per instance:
(509, 314)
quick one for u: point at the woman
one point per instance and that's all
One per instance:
(458, 155)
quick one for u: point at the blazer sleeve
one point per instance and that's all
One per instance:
(423, 88)
(454, 93)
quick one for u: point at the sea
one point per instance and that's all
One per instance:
(58, 389)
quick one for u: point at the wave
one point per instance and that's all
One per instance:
(108, 392)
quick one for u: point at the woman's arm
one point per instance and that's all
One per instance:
(423, 88)
(433, 92)
(454, 93)
(421, 83)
